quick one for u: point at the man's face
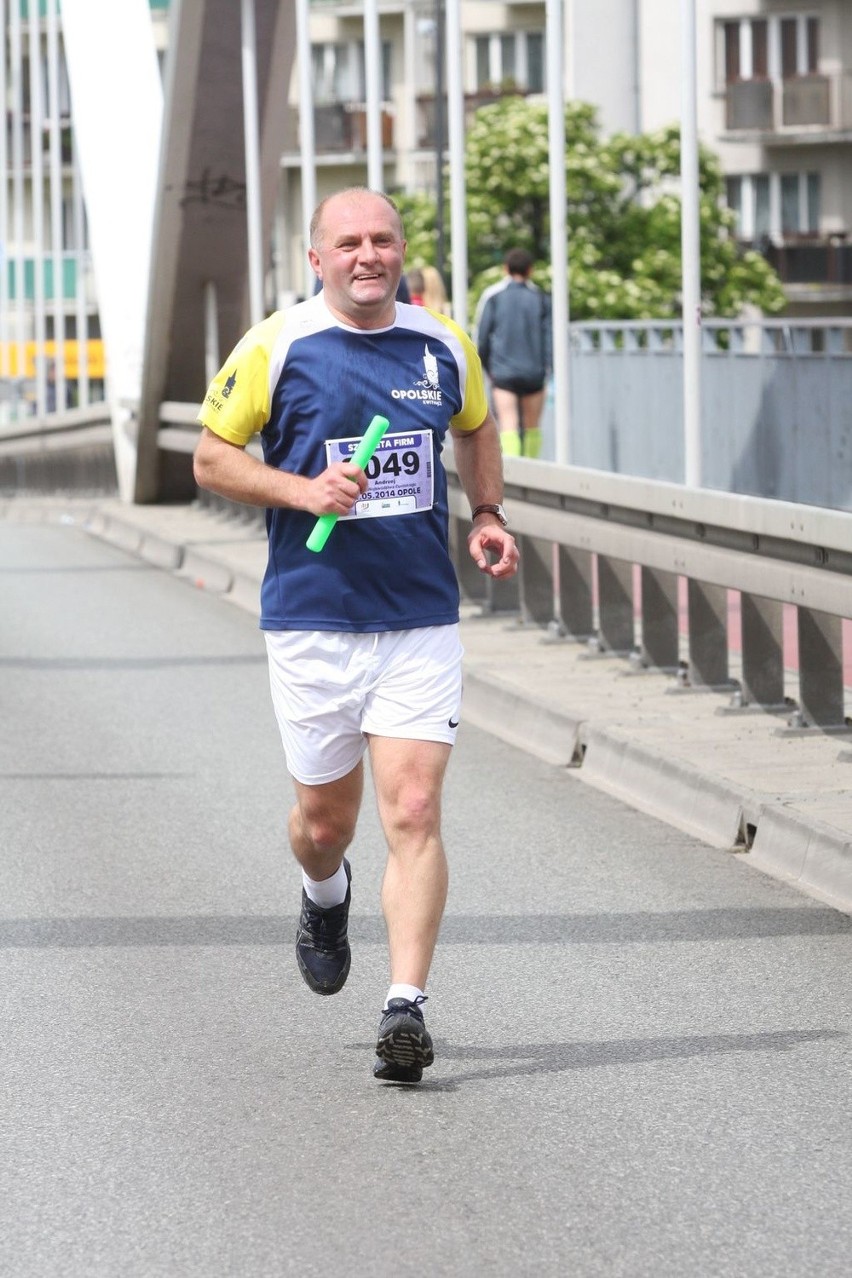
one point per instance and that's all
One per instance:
(359, 257)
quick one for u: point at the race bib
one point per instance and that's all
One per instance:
(400, 474)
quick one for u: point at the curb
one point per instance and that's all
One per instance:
(803, 852)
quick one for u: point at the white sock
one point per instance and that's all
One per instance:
(328, 892)
(411, 992)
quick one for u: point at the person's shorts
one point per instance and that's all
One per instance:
(519, 385)
(330, 690)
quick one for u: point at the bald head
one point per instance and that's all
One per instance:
(332, 204)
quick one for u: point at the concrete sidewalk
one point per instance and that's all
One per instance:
(734, 778)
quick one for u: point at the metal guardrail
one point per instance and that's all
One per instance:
(643, 569)
(719, 337)
(637, 567)
(67, 452)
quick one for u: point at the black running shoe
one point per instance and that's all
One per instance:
(404, 1045)
(322, 948)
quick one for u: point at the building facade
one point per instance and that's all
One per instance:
(774, 101)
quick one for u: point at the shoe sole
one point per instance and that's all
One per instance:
(386, 1072)
(308, 978)
(407, 1046)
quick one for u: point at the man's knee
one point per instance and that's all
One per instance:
(415, 810)
(325, 829)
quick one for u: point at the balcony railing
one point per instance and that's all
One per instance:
(812, 262)
(427, 125)
(803, 102)
(339, 127)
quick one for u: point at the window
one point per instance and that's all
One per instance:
(339, 73)
(774, 205)
(515, 59)
(768, 48)
(790, 212)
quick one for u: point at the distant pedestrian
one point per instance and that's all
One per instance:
(515, 342)
(435, 291)
(427, 288)
(416, 284)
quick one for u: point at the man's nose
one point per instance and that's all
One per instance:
(368, 249)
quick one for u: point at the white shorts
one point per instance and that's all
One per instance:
(330, 689)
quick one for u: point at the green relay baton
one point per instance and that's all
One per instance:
(368, 445)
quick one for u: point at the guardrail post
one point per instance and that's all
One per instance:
(708, 634)
(660, 637)
(763, 650)
(575, 592)
(535, 583)
(820, 668)
(615, 605)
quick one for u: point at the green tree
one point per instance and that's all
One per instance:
(623, 213)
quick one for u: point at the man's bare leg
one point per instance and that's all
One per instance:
(408, 777)
(322, 824)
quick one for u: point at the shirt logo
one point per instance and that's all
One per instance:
(229, 385)
(427, 388)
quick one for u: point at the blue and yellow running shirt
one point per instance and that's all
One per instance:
(303, 380)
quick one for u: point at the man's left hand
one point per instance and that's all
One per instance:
(493, 537)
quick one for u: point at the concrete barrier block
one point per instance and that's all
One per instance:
(664, 788)
(161, 553)
(514, 717)
(245, 593)
(205, 573)
(806, 853)
(123, 535)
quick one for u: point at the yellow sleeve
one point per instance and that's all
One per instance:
(238, 400)
(475, 402)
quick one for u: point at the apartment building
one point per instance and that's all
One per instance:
(51, 352)
(774, 100)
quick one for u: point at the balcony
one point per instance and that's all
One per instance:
(749, 104)
(340, 128)
(427, 124)
(811, 262)
(799, 108)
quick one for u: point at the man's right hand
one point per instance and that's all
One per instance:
(336, 490)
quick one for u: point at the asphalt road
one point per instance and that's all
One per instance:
(643, 1046)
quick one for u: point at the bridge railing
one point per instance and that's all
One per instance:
(63, 452)
(687, 581)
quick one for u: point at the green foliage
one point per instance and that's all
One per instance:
(420, 220)
(623, 213)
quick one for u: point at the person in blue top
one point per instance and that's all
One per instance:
(362, 638)
(515, 343)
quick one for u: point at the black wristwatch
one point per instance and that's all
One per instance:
(492, 508)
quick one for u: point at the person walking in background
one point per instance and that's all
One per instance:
(362, 638)
(514, 337)
(435, 291)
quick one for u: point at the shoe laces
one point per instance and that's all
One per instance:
(411, 1005)
(322, 923)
